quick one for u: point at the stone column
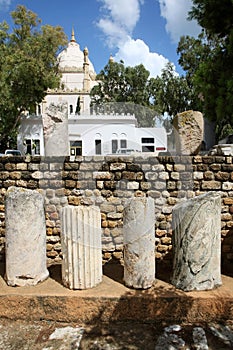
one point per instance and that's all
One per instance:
(139, 243)
(81, 247)
(25, 237)
(196, 243)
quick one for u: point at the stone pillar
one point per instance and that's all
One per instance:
(25, 237)
(196, 243)
(139, 243)
(55, 128)
(81, 247)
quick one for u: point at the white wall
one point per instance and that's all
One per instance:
(91, 128)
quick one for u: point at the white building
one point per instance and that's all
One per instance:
(88, 134)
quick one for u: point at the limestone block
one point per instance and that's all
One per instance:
(81, 247)
(55, 128)
(196, 243)
(25, 237)
(189, 131)
(139, 243)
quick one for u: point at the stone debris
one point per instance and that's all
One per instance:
(173, 328)
(69, 336)
(199, 339)
(169, 340)
(222, 332)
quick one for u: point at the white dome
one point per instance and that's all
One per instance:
(72, 57)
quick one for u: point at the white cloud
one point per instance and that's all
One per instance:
(119, 18)
(4, 4)
(176, 12)
(122, 13)
(135, 52)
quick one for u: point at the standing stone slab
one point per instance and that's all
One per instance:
(139, 243)
(189, 127)
(25, 237)
(55, 128)
(81, 246)
(197, 243)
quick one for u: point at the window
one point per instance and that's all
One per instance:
(36, 146)
(123, 143)
(32, 146)
(148, 144)
(28, 146)
(148, 148)
(97, 146)
(76, 148)
(114, 146)
(71, 109)
(148, 140)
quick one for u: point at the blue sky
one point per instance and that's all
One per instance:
(136, 31)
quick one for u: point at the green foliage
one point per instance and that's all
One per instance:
(123, 90)
(28, 67)
(208, 61)
(171, 93)
(215, 15)
(130, 90)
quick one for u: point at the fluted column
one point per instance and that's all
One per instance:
(139, 243)
(81, 247)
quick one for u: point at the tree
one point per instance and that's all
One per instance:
(208, 61)
(28, 67)
(215, 16)
(123, 90)
(171, 93)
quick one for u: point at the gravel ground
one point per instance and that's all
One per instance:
(44, 335)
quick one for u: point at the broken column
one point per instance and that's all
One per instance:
(196, 243)
(81, 246)
(139, 243)
(189, 131)
(25, 237)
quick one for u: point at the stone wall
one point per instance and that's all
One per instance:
(110, 183)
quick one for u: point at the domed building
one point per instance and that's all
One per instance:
(86, 133)
(78, 78)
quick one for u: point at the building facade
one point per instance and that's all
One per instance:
(89, 134)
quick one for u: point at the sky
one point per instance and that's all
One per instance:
(135, 31)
